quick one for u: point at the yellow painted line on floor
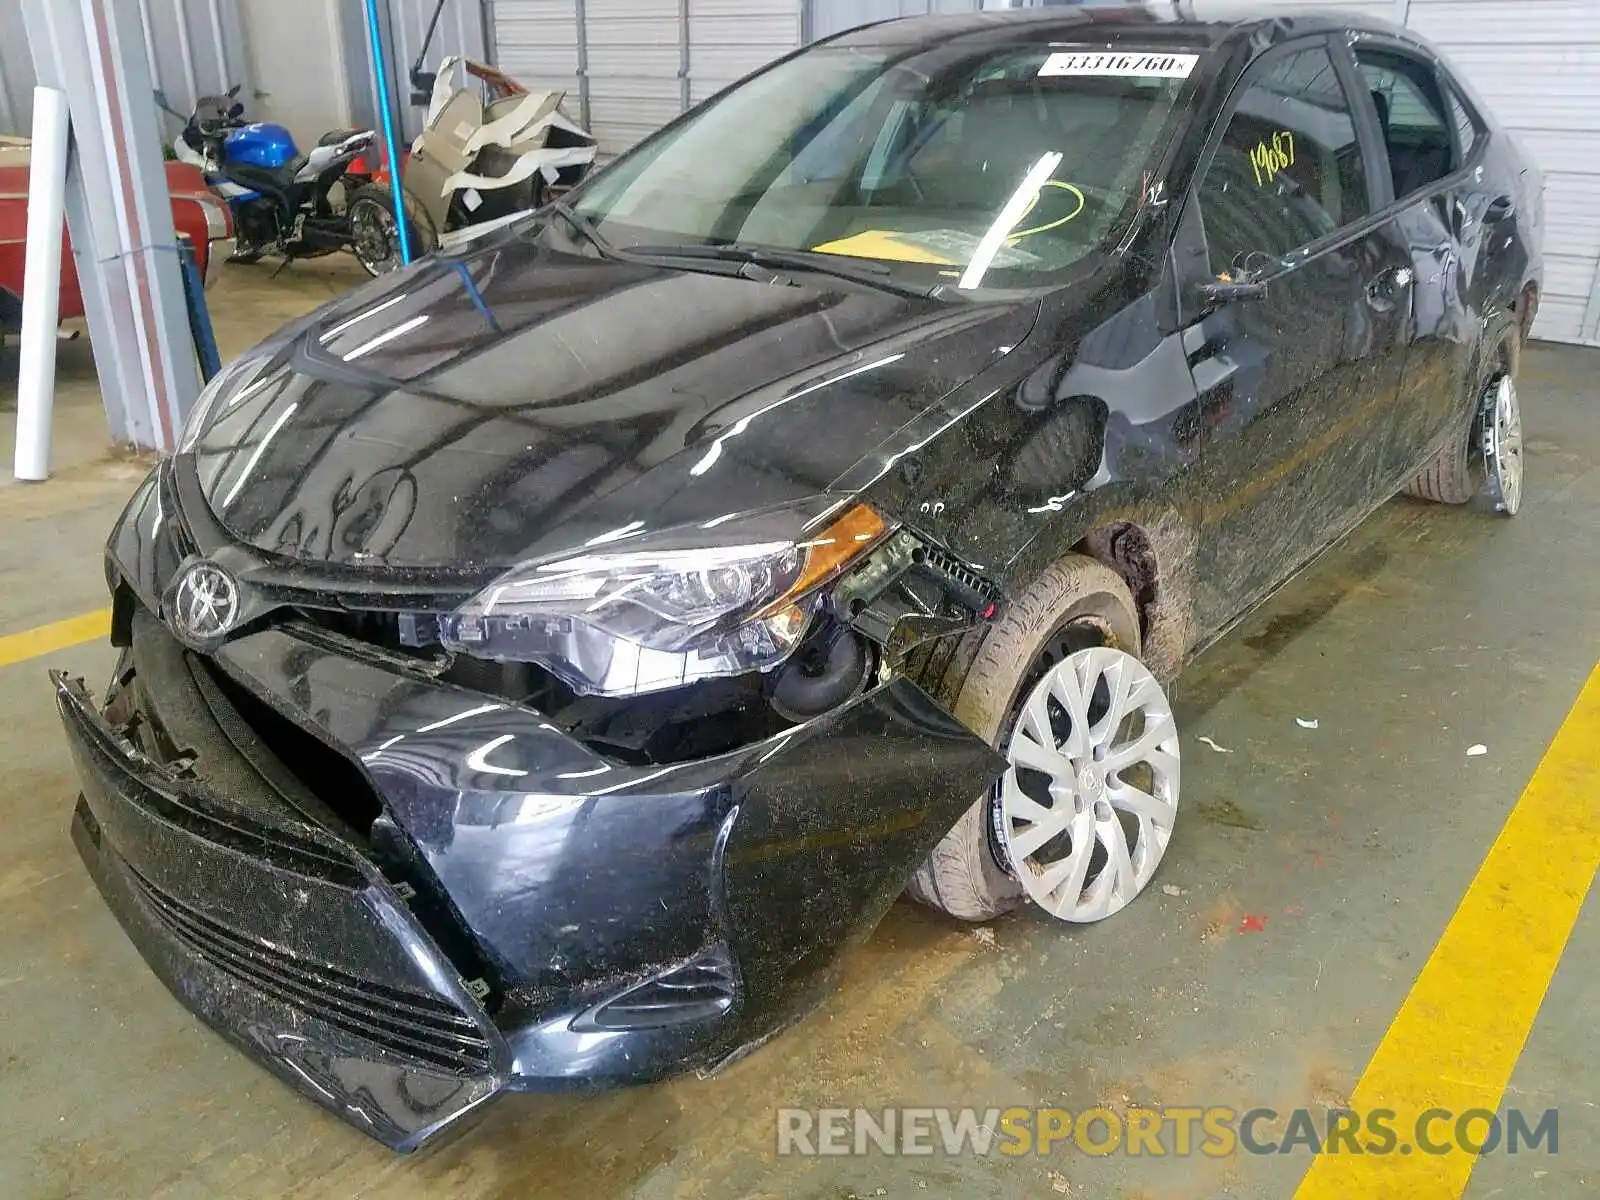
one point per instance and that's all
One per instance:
(1459, 1033)
(58, 635)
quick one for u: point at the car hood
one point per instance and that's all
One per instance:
(476, 411)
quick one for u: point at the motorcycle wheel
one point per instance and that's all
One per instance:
(375, 235)
(244, 253)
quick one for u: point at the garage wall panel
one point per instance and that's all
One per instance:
(1536, 63)
(298, 55)
(1572, 215)
(835, 16)
(536, 42)
(1382, 10)
(194, 48)
(636, 68)
(730, 38)
(1500, 22)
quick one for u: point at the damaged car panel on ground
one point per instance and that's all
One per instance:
(540, 665)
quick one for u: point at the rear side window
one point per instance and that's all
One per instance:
(1418, 132)
(1468, 128)
(1288, 169)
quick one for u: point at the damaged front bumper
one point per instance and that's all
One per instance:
(281, 939)
(403, 896)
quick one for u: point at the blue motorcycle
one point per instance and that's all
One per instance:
(283, 202)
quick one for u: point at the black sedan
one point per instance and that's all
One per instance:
(540, 665)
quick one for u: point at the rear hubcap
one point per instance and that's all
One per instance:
(1502, 446)
(1087, 806)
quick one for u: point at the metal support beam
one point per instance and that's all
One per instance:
(119, 212)
(683, 56)
(580, 17)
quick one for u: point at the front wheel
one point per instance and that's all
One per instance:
(1082, 816)
(245, 254)
(375, 234)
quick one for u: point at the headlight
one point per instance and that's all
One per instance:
(619, 623)
(230, 382)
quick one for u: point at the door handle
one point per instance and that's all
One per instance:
(1385, 291)
(1499, 209)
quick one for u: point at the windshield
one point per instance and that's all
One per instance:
(973, 168)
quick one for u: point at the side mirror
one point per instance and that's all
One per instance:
(236, 111)
(234, 90)
(1218, 294)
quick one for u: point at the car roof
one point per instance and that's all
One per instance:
(1201, 24)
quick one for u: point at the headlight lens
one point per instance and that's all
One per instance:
(623, 623)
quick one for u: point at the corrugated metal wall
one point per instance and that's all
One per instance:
(731, 38)
(630, 66)
(1393, 11)
(536, 42)
(1537, 64)
(637, 64)
(835, 16)
(194, 47)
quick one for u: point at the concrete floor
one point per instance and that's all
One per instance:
(1429, 630)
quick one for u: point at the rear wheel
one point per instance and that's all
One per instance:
(1502, 446)
(1486, 457)
(375, 234)
(1451, 478)
(1081, 817)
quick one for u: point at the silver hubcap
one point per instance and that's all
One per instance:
(1087, 807)
(1502, 447)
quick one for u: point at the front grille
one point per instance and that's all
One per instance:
(331, 777)
(413, 633)
(413, 1024)
(375, 628)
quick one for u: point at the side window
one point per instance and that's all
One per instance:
(1417, 131)
(1468, 130)
(1288, 169)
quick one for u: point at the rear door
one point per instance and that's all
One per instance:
(1442, 223)
(1298, 386)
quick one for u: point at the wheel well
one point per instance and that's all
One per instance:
(1527, 308)
(1126, 548)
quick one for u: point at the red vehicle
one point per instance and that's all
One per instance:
(196, 213)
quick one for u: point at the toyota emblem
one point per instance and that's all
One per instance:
(205, 605)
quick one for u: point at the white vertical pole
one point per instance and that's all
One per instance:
(41, 284)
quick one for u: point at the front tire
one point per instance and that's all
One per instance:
(244, 254)
(1073, 604)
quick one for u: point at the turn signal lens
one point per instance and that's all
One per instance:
(832, 549)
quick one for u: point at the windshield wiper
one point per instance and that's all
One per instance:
(583, 225)
(865, 271)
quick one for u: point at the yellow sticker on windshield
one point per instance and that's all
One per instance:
(882, 243)
(1269, 158)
